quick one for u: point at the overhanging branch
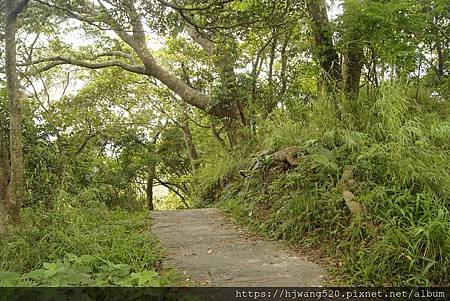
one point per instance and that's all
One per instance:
(118, 54)
(60, 60)
(206, 7)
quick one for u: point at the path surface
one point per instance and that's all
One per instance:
(210, 251)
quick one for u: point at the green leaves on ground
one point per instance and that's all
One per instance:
(85, 270)
(81, 247)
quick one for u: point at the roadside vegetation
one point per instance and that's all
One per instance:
(74, 246)
(400, 162)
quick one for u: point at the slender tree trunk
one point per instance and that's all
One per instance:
(187, 136)
(374, 67)
(6, 206)
(327, 55)
(16, 186)
(354, 56)
(440, 58)
(284, 59)
(353, 65)
(273, 99)
(151, 175)
(4, 165)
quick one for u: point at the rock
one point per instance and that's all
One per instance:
(346, 184)
(276, 162)
(287, 155)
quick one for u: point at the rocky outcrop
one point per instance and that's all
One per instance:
(274, 161)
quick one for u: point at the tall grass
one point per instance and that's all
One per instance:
(399, 150)
(80, 246)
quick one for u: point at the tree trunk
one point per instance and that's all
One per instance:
(224, 62)
(273, 99)
(6, 206)
(151, 175)
(440, 58)
(353, 65)
(327, 55)
(354, 55)
(187, 136)
(135, 38)
(284, 60)
(188, 94)
(15, 189)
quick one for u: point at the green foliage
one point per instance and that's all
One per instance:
(400, 161)
(70, 246)
(89, 149)
(85, 270)
(414, 246)
(169, 202)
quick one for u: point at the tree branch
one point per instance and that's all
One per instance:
(118, 54)
(111, 22)
(181, 8)
(85, 142)
(60, 60)
(171, 187)
(199, 38)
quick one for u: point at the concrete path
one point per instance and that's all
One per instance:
(209, 251)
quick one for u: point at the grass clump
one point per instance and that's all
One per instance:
(71, 246)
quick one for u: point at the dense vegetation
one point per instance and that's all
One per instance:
(324, 126)
(400, 164)
(79, 247)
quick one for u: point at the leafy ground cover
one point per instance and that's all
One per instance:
(70, 246)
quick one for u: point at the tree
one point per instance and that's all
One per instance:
(126, 21)
(353, 51)
(326, 53)
(12, 199)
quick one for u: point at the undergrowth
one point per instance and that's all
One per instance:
(399, 152)
(72, 246)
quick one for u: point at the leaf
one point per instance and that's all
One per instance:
(72, 257)
(146, 277)
(87, 258)
(123, 267)
(126, 282)
(76, 278)
(84, 269)
(9, 276)
(34, 274)
(106, 268)
(49, 266)
(49, 273)
(241, 5)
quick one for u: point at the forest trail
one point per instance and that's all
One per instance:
(209, 251)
